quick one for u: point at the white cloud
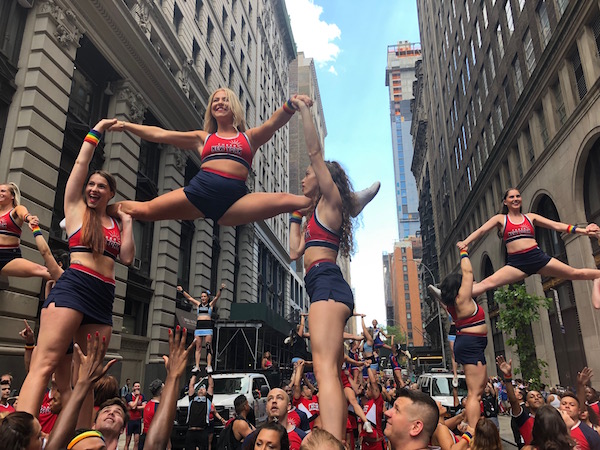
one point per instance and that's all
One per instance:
(332, 70)
(313, 36)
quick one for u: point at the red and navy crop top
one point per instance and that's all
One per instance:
(513, 231)
(8, 226)
(112, 241)
(318, 235)
(477, 318)
(235, 149)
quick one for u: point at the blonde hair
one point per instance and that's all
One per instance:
(16, 192)
(239, 121)
(319, 439)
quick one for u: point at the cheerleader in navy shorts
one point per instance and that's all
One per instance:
(328, 230)
(12, 217)
(524, 256)
(81, 302)
(471, 333)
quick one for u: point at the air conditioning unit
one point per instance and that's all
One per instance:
(137, 264)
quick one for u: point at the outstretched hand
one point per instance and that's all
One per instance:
(105, 124)
(584, 377)
(592, 229)
(505, 367)
(176, 362)
(90, 364)
(27, 334)
(462, 246)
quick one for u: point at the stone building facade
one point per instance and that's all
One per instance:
(509, 98)
(66, 64)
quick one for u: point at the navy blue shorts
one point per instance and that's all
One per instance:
(84, 292)
(134, 427)
(214, 194)
(8, 254)
(530, 261)
(324, 281)
(470, 349)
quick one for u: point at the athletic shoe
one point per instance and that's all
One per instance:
(434, 292)
(362, 198)
(209, 369)
(195, 369)
(455, 382)
(287, 340)
(368, 427)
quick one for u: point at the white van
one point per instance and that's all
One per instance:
(439, 387)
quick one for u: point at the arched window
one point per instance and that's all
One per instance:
(591, 192)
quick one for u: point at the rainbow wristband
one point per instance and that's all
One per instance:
(288, 107)
(464, 254)
(93, 137)
(467, 436)
(29, 346)
(571, 229)
(296, 217)
(84, 435)
(36, 231)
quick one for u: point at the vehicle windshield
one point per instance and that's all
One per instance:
(443, 386)
(229, 386)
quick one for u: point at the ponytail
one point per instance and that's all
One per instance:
(16, 192)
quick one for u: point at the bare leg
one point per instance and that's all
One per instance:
(199, 342)
(351, 397)
(559, 269)
(23, 268)
(454, 365)
(209, 356)
(362, 198)
(502, 277)
(476, 376)
(173, 205)
(57, 327)
(127, 441)
(262, 205)
(596, 294)
(327, 321)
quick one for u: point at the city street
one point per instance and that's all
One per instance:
(508, 441)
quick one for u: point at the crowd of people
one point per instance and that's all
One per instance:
(68, 400)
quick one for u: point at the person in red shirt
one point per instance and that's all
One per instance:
(135, 403)
(304, 400)
(586, 437)
(373, 410)
(150, 408)
(533, 401)
(5, 407)
(592, 399)
(51, 407)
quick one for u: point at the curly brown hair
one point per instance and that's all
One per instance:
(338, 174)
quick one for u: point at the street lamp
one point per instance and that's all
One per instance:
(419, 263)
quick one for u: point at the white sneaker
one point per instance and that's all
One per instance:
(63, 224)
(434, 292)
(362, 198)
(287, 340)
(195, 369)
(455, 382)
(209, 369)
(368, 427)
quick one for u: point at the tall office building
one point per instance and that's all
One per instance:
(509, 97)
(64, 65)
(399, 77)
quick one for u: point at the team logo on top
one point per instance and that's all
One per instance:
(233, 147)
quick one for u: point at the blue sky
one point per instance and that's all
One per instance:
(348, 40)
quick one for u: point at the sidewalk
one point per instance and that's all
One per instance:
(505, 431)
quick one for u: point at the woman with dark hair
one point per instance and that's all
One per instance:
(271, 436)
(471, 333)
(81, 303)
(486, 436)
(12, 217)
(549, 431)
(20, 431)
(328, 231)
(590, 418)
(204, 324)
(525, 258)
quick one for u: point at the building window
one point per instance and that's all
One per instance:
(596, 30)
(469, 178)
(407, 305)
(485, 83)
(543, 127)
(484, 141)
(492, 133)
(462, 79)
(521, 4)
(478, 32)
(529, 143)
(518, 75)
(529, 53)
(223, 17)
(500, 41)
(492, 65)
(478, 97)
(562, 5)
(579, 77)
(198, 10)
(462, 28)
(499, 118)
(484, 14)
(209, 30)
(177, 18)
(509, 18)
(544, 21)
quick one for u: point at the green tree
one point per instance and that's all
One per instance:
(396, 331)
(519, 310)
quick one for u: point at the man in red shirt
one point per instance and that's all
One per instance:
(135, 403)
(304, 400)
(586, 437)
(373, 409)
(5, 408)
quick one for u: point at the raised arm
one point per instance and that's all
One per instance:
(127, 252)
(327, 187)
(297, 378)
(188, 296)
(366, 334)
(583, 378)
(308, 383)
(90, 371)
(162, 424)
(189, 140)
(29, 337)
(466, 287)
(541, 221)
(301, 332)
(296, 235)
(506, 369)
(21, 214)
(495, 222)
(261, 134)
(218, 296)
(211, 385)
(55, 270)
